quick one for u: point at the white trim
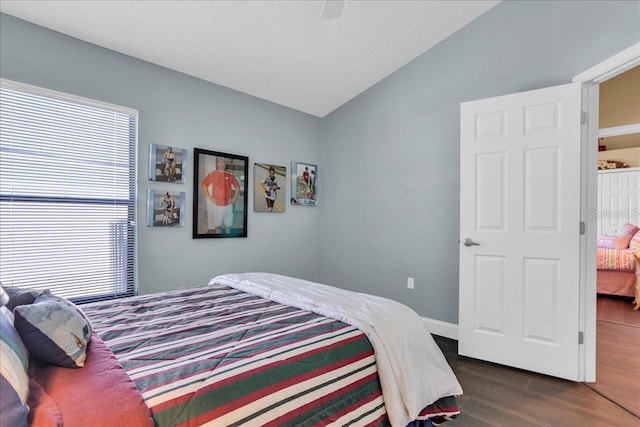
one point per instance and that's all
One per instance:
(611, 67)
(616, 170)
(619, 130)
(591, 79)
(588, 203)
(440, 328)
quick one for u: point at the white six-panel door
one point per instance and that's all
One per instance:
(619, 199)
(519, 205)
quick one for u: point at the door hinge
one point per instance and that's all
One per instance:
(580, 337)
(583, 117)
(583, 227)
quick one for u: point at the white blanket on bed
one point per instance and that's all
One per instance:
(413, 371)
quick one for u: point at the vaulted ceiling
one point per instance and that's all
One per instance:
(285, 52)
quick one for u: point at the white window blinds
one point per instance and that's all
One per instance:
(67, 194)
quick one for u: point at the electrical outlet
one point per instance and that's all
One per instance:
(409, 282)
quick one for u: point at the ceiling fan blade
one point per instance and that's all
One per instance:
(332, 9)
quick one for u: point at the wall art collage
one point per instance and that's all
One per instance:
(221, 190)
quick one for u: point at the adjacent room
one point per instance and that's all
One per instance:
(292, 213)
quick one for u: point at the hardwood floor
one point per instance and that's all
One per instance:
(618, 352)
(617, 310)
(495, 395)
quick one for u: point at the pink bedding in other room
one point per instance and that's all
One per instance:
(616, 259)
(612, 282)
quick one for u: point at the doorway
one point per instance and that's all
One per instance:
(483, 323)
(617, 324)
(591, 80)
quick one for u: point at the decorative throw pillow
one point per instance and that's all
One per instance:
(43, 410)
(9, 314)
(14, 381)
(54, 330)
(614, 242)
(4, 298)
(21, 296)
(627, 230)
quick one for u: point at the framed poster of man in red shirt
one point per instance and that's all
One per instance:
(220, 197)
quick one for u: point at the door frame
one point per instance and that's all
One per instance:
(591, 80)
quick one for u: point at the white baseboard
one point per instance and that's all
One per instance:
(443, 329)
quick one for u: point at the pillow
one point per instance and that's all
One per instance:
(43, 410)
(14, 381)
(8, 313)
(4, 297)
(635, 243)
(88, 396)
(54, 330)
(627, 230)
(21, 296)
(614, 242)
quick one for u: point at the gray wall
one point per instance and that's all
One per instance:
(391, 155)
(178, 110)
(387, 161)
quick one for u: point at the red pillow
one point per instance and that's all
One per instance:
(98, 394)
(43, 410)
(614, 242)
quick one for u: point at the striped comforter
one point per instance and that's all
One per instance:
(615, 259)
(219, 356)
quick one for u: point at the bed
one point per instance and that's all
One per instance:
(256, 349)
(616, 274)
(618, 267)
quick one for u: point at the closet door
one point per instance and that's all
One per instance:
(619, 199)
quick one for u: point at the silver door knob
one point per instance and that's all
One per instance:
(469, 242)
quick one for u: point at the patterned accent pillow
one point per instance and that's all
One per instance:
(14, 381)
(54, 330)
(614, 242)
(635, 242)
(21, 296)
(627, 230)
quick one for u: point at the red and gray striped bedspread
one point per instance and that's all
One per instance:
(222, 357)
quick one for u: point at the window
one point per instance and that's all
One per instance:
(67, 194)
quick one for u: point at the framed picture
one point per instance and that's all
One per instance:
(220, 195)
(304, 190)
(167, 164)
(165, 208)
(270, 188)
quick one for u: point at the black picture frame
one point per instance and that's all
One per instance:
(226, 219)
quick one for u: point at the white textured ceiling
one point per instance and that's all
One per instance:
(281, 51)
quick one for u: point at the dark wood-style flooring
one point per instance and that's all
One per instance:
(618, 352)
(495, 395)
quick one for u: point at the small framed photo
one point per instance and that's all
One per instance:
(167, 163)
(304, 188)
(220, 196)
(269, 188)
(165, 208)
